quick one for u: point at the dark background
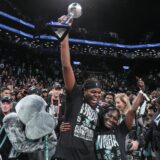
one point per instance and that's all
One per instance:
(123, 21)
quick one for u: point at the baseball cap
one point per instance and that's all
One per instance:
(92, 83)
(33, 90)
(44, 90)
(6, 99)
(57, 85)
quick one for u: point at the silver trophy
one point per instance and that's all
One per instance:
(62, 28)
(74, 11)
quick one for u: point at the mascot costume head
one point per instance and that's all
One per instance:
(31, 128)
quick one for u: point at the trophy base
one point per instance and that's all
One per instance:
(59, 30)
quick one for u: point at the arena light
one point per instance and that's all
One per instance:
(16, 19)
(98, 43)
(15, 31)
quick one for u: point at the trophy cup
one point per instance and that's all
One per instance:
(60, 29)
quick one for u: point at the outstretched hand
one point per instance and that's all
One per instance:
(140, 83)
(63, 19)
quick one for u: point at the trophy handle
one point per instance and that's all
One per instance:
(70, 17)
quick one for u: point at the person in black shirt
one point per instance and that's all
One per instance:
(81, 112)
(110, 134)
(153, 132)
(110, 137)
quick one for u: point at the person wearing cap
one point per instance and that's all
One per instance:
(57, 85)
(56, 90)
(5, 108)
(56, 104)
(44, 93)
(110, 134)
(81, 113)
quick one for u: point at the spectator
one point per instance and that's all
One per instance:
(5, 92)
(153, 132)
(5, 109)
(110, 139)
(110, 135)
(123, 104)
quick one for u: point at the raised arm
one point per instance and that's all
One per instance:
(68, 74)
(130, 116)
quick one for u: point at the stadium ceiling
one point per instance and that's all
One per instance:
(123, 21)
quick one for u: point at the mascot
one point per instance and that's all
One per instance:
(31, 130)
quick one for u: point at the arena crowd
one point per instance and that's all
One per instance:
(118, 94)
